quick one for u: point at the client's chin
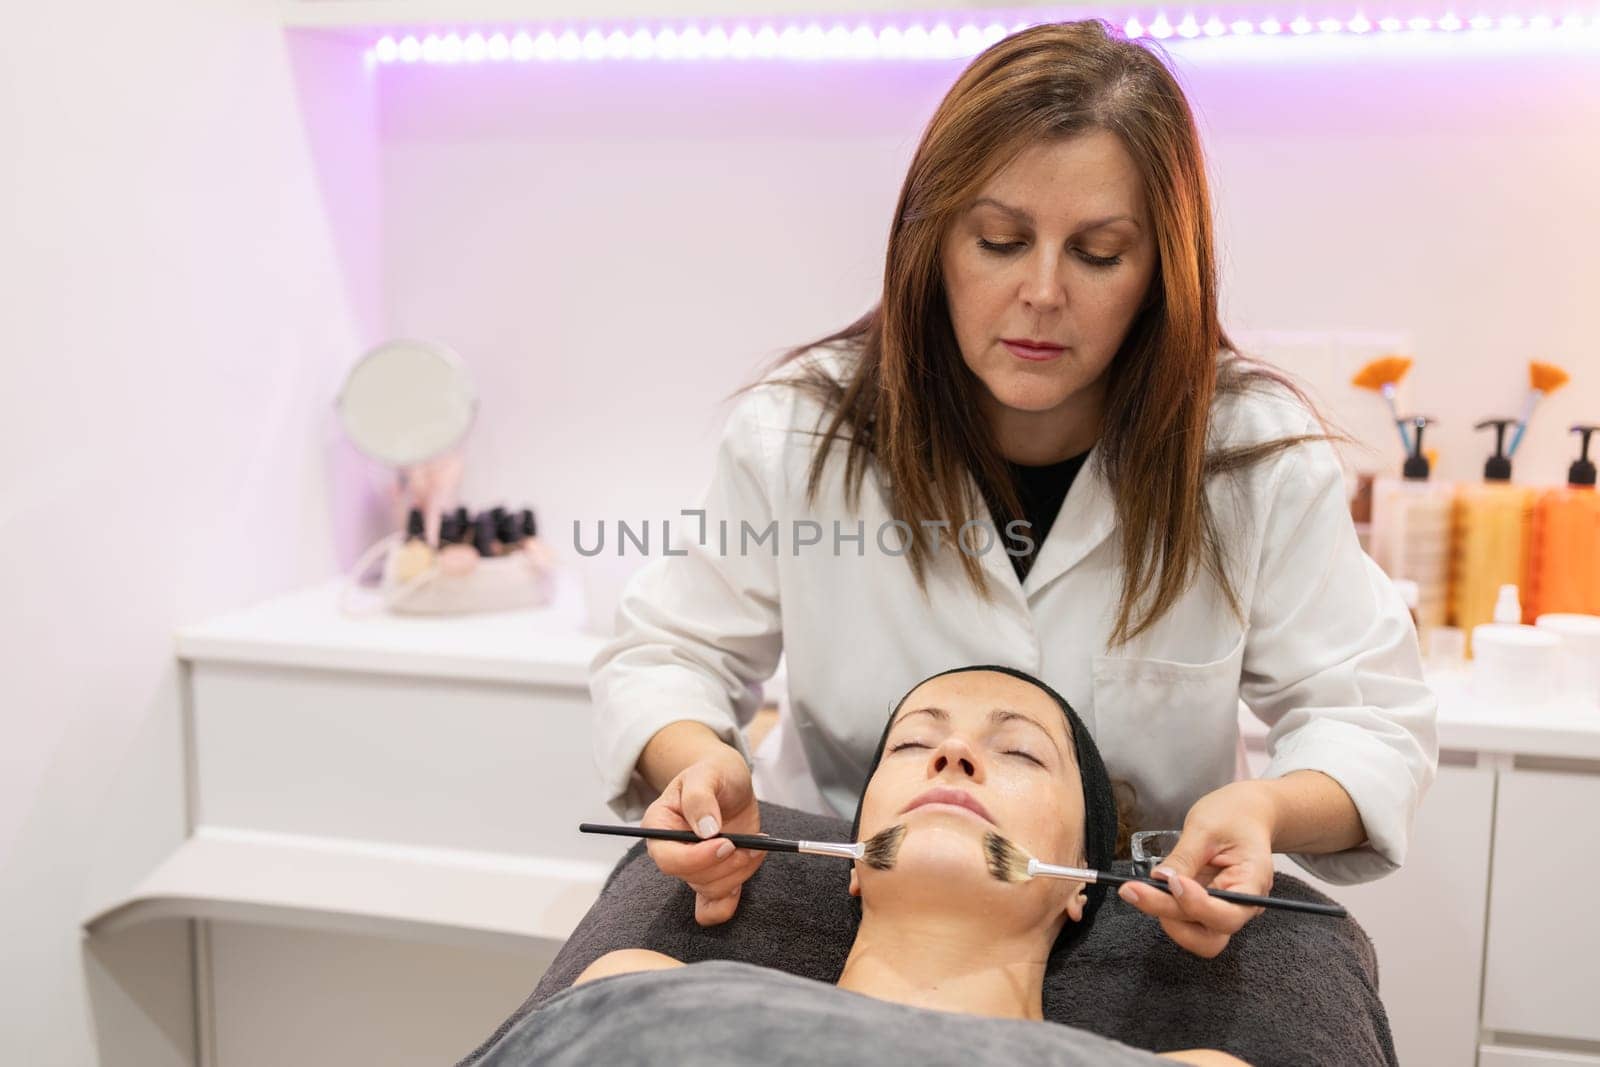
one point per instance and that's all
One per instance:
(943, 842)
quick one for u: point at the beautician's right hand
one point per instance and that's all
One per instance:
(712, 795)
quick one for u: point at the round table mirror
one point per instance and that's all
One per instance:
(407, 402)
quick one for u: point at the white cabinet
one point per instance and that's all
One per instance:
(320, 998)
(1498, 1056)
(1426, 921)
(1543, 967)
(383, 855)
(432, 762)
(1429, 955)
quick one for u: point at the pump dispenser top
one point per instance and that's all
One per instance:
(1416, 467)
(1582, 470)
(1497, 468)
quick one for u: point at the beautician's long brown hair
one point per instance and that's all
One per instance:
(911, 404)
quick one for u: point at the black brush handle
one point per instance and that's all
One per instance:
(1310, 907)
(759, 842)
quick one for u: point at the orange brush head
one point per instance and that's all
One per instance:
(1546, 377)
(1385, 370)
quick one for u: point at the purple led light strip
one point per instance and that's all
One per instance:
(914, 40)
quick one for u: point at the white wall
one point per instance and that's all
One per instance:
(178, 304)
(614, 246)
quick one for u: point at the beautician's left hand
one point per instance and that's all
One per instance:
(1226, 843)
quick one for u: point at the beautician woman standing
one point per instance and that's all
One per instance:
(1047, 349)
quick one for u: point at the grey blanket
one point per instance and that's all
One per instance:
(1289, 989)
(726, 1014)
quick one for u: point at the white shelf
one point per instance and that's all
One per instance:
(471, 899)
(308, 629)
(371, 14)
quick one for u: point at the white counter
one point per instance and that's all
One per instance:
(311, 629)
(549, 646)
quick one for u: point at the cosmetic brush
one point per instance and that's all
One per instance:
(1383, 376)
(877, 851)
(1543, 379)
(1009, 863)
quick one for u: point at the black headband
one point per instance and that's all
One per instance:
(1099, 802)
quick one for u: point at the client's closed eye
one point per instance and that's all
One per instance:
(906, 744)
(1029, 756)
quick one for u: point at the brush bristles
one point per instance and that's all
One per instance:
(882, 847)
(1386, 370)
(1546, 377)
(1007, 862)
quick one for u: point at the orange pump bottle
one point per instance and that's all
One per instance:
(1564, 561)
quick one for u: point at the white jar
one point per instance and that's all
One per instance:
(1580, 653)
(1514, 667)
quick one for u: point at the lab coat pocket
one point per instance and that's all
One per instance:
(1169, 729)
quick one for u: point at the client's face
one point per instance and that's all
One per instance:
(969, 753)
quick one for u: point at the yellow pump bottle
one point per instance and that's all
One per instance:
(1564, 559)
(1490, 528)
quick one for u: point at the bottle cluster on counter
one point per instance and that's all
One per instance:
(466, 538)
(1463, 545)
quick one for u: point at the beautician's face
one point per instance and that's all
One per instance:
(968, 753)
(1069, 264)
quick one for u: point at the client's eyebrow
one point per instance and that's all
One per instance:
(999, 716)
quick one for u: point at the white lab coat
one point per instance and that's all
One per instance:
(1327, 655)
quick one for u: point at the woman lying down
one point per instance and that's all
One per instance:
(948, 963)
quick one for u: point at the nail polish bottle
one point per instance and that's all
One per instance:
(483, 534)
(414, 557)
(533, 546)
(510, 533)
(456, 557)
(463, 521)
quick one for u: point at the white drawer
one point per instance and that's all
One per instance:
(1543, 962)
(445, 763)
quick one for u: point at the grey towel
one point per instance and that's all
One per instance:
(722, 1013)
(1290, 989)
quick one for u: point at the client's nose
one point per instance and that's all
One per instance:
(955, 753)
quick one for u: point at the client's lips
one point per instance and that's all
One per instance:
(944, 794)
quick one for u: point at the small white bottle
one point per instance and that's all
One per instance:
(1507, 608)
